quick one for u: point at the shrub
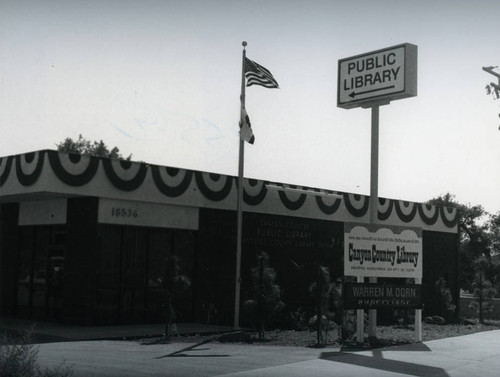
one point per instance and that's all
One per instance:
(294, 320)
(19, 358)
(173, 281)
(349, 325)
(445, 297)
(328, 302)
(485, 292)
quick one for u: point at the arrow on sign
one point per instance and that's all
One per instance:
(354, 94)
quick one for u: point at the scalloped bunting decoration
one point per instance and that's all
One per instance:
(73, 169)
(406, 211)
(356, 204)
(29, 167)
(119, 173)
(213, 186)
(254, 192)
(5, 168)
(171, 182)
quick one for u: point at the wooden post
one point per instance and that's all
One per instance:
(418, 318)
(360, 316)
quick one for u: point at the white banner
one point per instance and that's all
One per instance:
(382, 251)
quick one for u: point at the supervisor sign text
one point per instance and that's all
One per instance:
(380, 296)
(378, 76)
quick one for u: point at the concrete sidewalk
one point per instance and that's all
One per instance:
(83, 348)
(465, 356)
(44, 332)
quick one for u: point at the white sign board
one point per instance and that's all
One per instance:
(382, 251)
(123, 212)
(377, 76)
(43, 212)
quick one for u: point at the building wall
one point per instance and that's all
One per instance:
(296, 246)
(9, 238)
(112, 273)
(82, 248)
(132, 266)
(441, 260)
(121, 219)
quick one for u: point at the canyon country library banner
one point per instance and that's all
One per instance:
(382, 251)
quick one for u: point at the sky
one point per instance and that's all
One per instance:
(162, 79)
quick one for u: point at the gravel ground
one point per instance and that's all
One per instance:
(386, 336)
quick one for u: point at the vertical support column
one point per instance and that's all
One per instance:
(418, 318)
(374, 166)
(372, 318)
(372, 313)
(360, 316)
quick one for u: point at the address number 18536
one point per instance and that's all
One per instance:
(124, 212)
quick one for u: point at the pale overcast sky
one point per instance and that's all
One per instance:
(161, 80)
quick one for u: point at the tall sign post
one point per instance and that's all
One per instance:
(371, 80)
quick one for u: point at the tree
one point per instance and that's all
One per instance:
(326, 297)
(445, 297)
(475, 240)
(479, 251)
(483, 290)
(267, 294)
(494, 228)
(173, 280)
(84, 146)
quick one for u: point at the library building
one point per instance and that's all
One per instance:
(90, 241)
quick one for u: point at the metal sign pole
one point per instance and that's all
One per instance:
(418, 318)
(372, 313)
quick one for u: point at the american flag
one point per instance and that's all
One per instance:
(258, 75)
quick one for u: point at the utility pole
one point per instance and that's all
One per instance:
(492, 88)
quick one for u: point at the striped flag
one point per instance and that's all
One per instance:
(246, 132)
(258, 75)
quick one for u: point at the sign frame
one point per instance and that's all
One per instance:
(371, 82)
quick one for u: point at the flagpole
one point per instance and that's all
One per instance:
(239, 221)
